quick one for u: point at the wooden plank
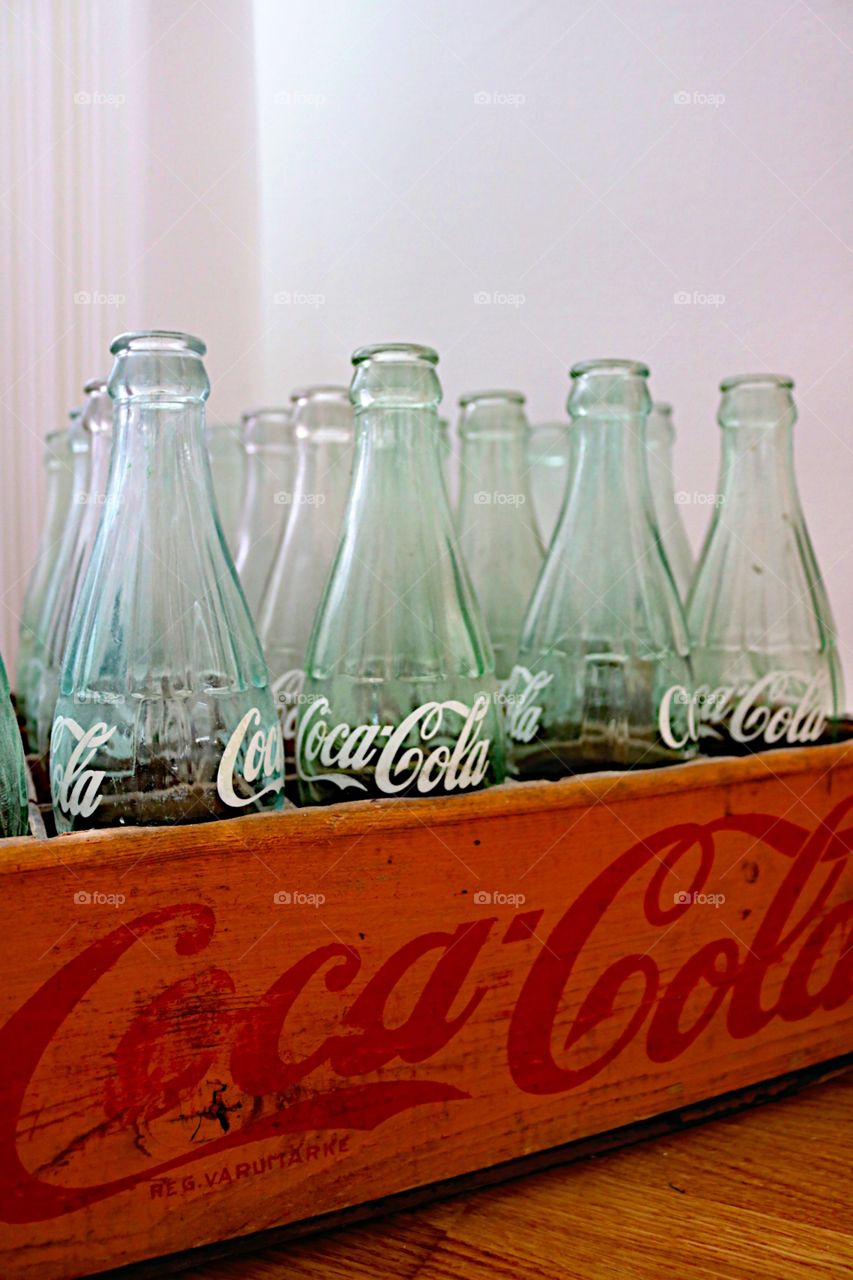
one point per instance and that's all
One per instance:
(193, 1057)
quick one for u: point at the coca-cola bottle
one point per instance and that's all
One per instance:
(59, 467)
(13, 783)
(603, 674)
(269, 439)
(660, 435)
(164, 714)
(548, 460)
(765, 656)
(400, 693)
(61, 570)
(228, 467)
(323, 426)
(495, 521)
(96, 423)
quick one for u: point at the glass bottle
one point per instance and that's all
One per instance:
(660, 435)
(765, 656)
(269, 440)
(96, 422)
(548, 460)
(78, 443)
(13, 781)
(400, 692)
(495, 521)
(164, 714)
(58, 462)
(228, 467)
(323, 426)
(603, 674)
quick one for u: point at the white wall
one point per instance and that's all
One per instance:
(336, 152)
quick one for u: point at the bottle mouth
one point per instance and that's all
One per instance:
(777, 381)
(95, 386)
(503, 397)
(331, 393)
(265, 415)
(395, 353)
(167, 341)
(615, 368)
(662, 407)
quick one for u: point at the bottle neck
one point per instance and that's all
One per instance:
(396, 461)
(492, 461)
(609, 472)
(757, 472)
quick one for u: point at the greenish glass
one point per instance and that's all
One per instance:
(96, 424)
(495, 520)
(164, 713)
(660, 438)
(603, 676)
(764, 646)
(548, 456)
(323, 426)
(13, 782)
(58, 462)
(400, 695)
(269, 439)
(228, 467)
(78, 443)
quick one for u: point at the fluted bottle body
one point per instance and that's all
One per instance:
(660, 437)
(270, 443)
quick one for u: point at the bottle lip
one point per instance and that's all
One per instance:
(509, 397)
(252, 415)
(395, 352)
(164, 340)
(630, 368)
(662, 406)
(325, 391)
(95, 386)
(779, 380)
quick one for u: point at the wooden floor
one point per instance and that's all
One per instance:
(765, 1195)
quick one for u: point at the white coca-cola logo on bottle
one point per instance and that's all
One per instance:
(383, 749)
(253, 754)
(519, 692)
(781, 706)
(287, 691)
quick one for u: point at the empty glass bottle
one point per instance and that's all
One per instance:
(603, 674)
(269, 440)
(164, 714)
(59, 467)
(495, 521)
(13, 782)
(96, 422)
(765, 657)
(78, 443)
(399, 694)
(660, 435)
(548, 460)
(323, 426)
(228, 467)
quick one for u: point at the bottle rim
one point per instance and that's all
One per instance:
(510, 397)
(252, 415)
(662, 406)
(778, 380)
(630, 368)
(162, 340)
(95, 386)
(324, 391)
(395, 352)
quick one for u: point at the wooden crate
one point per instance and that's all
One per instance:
(215, 1030)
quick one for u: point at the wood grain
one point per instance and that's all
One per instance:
(764, 1195)
(451, 985)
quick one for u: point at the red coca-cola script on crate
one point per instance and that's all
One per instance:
(339, 1005)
